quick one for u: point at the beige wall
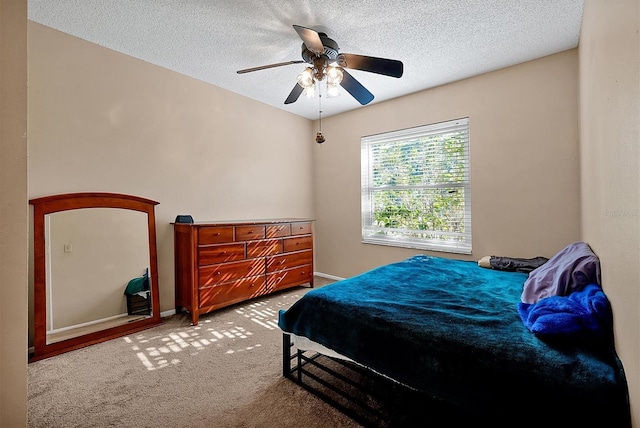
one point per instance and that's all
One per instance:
(610, 159)
(104, 121)
(13, 213)
(524, 164)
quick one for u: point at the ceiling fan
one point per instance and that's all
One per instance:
(326, 60)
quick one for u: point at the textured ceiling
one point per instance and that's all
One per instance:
(439, 41)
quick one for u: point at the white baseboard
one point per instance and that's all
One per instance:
(167, 313)
(326, 275)
(86, 324)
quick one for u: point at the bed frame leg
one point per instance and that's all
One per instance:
(286, 355)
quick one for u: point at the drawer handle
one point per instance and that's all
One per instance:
(218, 273)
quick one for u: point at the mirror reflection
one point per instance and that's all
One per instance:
(97, 265)
(95, 270)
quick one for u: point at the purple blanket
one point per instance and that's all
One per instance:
(569, 270)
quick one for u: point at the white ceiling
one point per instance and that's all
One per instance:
(439, 41)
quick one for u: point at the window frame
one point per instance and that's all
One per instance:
(400, 237)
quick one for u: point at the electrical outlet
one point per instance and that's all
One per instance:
(68, 248)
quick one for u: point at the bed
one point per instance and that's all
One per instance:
(456, 331)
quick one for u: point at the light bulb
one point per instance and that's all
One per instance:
(309, 91)
(332, 90)
(305, 79)
(334, 75)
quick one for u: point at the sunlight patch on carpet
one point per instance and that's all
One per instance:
(262, 314)
(155, 353)
(211, 334)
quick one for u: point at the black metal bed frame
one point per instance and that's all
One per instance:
(365, 396)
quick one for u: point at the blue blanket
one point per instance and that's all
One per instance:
(583, 315)
(451, 328)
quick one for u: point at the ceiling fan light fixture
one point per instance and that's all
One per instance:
(305, 79)
(334, 76)
(332, 90)
(310, 91)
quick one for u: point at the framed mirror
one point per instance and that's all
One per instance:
(95, 270)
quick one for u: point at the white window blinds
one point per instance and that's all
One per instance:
(415, 188)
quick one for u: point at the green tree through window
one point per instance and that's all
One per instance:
(416, 190)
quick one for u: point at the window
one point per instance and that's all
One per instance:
(415, 188)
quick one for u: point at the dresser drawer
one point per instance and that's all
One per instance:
(278, 230)
(225, 272)
(301, 228)
(289, 260)
(220, 253)
(264, 248)
(232, 292)
(247, 233)
(289, 277)
(215, 235)
(297, 243)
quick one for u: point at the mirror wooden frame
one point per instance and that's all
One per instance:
(72, 201)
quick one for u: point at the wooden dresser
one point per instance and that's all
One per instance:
(219, 264)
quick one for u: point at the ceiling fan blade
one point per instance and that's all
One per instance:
(295, 93)
(263, 67)
(387, 67)
(355, 88)
(311, 39)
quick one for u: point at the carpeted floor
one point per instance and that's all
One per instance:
(225, 372)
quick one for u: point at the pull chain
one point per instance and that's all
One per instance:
(319, 136)
(320, 110)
